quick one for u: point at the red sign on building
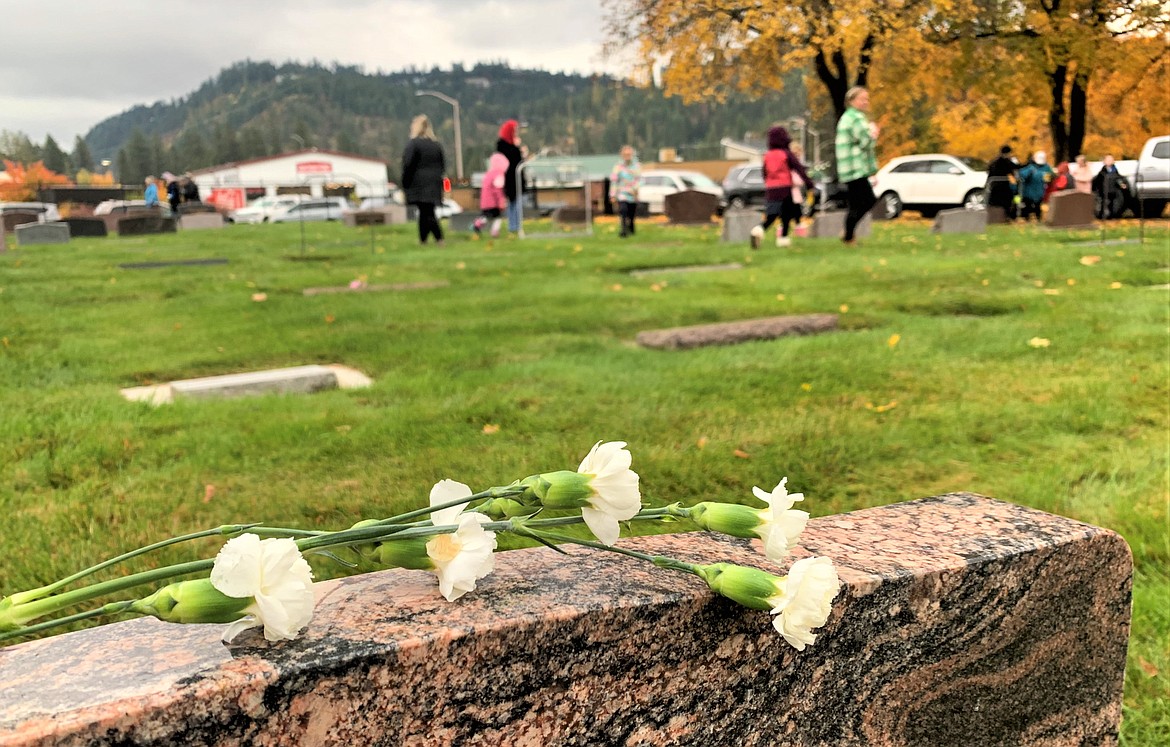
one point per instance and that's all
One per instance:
(314, 167)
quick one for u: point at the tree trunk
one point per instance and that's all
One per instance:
(1078, 108)
(1057, 126)
(834, 78)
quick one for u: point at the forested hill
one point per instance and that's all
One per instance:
(257, 108)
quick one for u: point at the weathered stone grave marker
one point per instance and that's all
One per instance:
(644, 271)
(86, 227)
(144, 224)
(1070, 209)
(202, 220)
(294, 380)
(690, 207)
(729, 333)
(738, 225)
(376, 288)
(172, 263)
(830, 224)
(960, 220)
(42, 233)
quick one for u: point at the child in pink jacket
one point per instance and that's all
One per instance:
(492, 200)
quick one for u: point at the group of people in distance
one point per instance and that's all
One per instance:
(1020, 190)
(179, 190)
(423, 172)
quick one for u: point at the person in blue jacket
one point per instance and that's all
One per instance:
(150, 195)
(1032, 182)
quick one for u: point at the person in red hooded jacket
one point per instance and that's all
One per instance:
(779, 165)
(509, 145)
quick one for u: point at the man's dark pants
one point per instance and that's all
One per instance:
(861, 201)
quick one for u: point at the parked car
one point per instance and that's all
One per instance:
(1151, 183)
(311, 209)
(744, 187)
(46, 211)
(928, 183)
(262, 209)
(446, 210)
(657, 184)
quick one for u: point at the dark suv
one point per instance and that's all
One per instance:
(744, 186)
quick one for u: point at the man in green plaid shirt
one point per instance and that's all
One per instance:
(856, 160)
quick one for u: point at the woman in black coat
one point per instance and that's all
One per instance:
(423, 167)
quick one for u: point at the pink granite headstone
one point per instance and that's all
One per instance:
(963, 621)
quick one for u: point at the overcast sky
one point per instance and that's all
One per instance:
(67, 65)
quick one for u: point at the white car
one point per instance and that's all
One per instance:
(929, 183)
(311, 209)
(657, 184)
(262, 209)
(446, 210)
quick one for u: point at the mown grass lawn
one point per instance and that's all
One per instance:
(1025, 365)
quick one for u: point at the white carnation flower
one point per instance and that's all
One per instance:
(780, 526)
(806, 600)
(465, 556)
(615, 495)
(274, 575)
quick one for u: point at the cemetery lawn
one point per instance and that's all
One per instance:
(1024, 365)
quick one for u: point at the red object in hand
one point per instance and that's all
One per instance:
(446, 184)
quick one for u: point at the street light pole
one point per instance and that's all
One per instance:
(458, 133)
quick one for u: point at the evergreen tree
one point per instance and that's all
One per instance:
(82, 158)
(54, 158)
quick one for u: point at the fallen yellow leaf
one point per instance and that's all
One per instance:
(460, 265)
(894, 340)
(742, 454)
(490, 428)
(1072, 281)
(259, 297)
(985, 281)
(806, 387)
(1039, 342)
(844, 308)
(882, 408)
(1114, 285)
(616, 287)
(1090, 259)
(208, 492)
(329, 319)
(1038, 283)
(1147, 667)
(780, 296)
(1052, 291)
(702, 442)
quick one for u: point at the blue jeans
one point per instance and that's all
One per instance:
(514, 215)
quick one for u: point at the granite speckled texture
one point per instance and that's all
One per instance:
(962, 621)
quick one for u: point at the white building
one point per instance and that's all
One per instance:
(231, 185)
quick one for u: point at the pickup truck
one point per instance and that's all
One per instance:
(1151, 182)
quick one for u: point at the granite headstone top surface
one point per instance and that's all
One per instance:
(961, 621)
(729, 333)
(960, 220)
(142, 224)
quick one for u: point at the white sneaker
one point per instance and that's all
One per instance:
(757, 234)
(783, 241)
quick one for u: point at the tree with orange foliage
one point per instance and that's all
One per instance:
(26, 181)
(710, 46)
(1060, 45)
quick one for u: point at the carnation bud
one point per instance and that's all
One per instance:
(750, 587)
(194, 601)
(727, 518)
(562, 489)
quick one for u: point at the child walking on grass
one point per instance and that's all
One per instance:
(492, 200)
(780, 166)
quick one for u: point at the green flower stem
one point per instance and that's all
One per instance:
(509, 491)
(19, 614)
(662, 561)
(113, 608)
(227, 530)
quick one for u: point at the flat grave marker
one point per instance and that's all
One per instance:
(294, 380)
(730, 333)
(376, 288)
(644, 271)
(172, 263)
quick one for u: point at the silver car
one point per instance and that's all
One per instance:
(312, 209)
